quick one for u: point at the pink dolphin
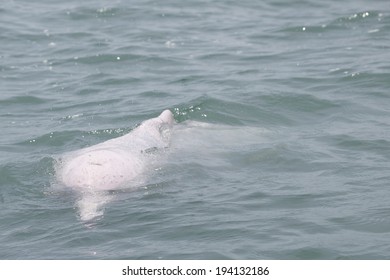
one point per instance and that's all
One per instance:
(112, 164)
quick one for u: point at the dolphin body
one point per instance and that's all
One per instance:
(114, 163)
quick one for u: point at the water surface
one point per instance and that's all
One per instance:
(292, 162)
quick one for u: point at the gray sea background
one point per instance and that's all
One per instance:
(293, 159)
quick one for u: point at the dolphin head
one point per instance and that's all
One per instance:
(167, 117)
(158, 128)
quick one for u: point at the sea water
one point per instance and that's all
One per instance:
(281, 148)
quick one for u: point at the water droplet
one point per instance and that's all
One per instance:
(170, 44)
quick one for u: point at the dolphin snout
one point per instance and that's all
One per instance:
(167, 117)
